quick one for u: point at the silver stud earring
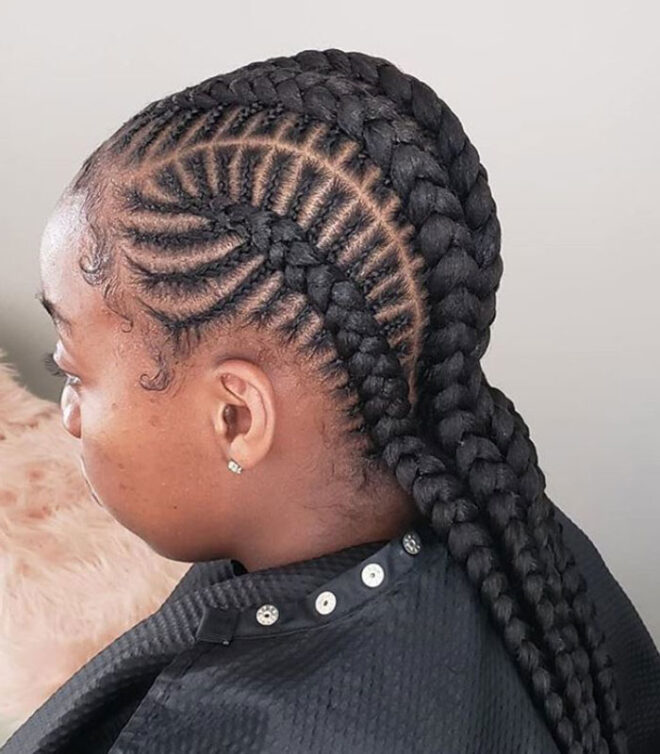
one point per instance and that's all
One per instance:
(234, 466)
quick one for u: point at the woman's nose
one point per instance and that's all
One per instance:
(70, 407)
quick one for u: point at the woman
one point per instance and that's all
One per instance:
(272, 292)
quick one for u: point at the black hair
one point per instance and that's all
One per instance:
(334, 200)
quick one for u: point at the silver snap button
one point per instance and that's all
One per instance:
(411, 542)
(373, 574)
(267, 615)
(325, 603)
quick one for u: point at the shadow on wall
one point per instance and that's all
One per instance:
(59, 549)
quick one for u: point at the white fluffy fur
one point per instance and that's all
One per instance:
(71, 578)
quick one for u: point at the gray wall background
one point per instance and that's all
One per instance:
(560, 100)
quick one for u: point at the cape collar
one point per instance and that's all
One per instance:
(373, 574)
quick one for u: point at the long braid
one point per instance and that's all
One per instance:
(469, 183)
(387, 275)
(451, 425)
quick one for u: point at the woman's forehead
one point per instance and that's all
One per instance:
(65, 222)
(64, 293)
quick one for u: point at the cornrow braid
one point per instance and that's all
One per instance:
(469, 183)
(335, 200)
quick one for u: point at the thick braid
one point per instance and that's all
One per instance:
(531, 575)
(469, 182)
(560, 562)
(407, 327)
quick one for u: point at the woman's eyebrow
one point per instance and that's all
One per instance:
(57, 316)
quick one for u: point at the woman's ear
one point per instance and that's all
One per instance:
(245, 411)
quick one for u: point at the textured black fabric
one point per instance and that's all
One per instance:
(415, 667)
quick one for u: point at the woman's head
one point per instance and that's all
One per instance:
(320, 231)
(155, 448)
(218, 272)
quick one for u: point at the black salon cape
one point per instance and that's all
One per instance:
(410, 664)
